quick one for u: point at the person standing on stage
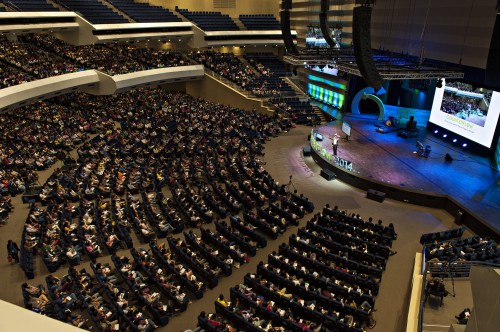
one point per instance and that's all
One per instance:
(335, 143)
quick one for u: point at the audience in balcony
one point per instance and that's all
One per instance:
(36, 56)
(33, 60)
(260, 81)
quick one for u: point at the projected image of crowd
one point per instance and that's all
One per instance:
(466, 108)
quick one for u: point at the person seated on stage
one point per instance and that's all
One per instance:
(464, 316)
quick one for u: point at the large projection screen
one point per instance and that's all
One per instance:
(470, 113)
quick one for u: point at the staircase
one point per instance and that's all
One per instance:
(319, 112)
(435, 328)
(176, 13)
(116, 10)
(246, 63)
(300, 93)
(240, 25)
(60, 7)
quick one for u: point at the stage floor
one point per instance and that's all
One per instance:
(468, 178)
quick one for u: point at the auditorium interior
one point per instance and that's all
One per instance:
(250, 165)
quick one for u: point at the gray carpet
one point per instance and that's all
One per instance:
(283, 158)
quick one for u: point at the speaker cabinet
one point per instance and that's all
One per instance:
(375, 195)
(492, 72)
(323, 23)
(327, 174)
(361, 39)
(306, 151)
(286, 33)
(286, 4)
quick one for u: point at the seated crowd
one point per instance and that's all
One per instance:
(301, 111)
(37, 56)
(36, 136)
(258, 80)
(473, 248)
(325, 279)
(126, 161)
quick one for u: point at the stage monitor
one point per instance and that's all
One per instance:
(467, 111)
(346, 128)
(315, 39)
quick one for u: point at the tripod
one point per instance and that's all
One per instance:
(451, 273)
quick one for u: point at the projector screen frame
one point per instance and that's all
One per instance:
(463, 127)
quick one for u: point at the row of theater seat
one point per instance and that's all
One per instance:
(442, 236)
(303, 287)
(260, 22)
(144, 12)
(210, 21)
(93, 10)
(29, 6)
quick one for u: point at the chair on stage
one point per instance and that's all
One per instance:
(427, 151)
(420, 148)
(421, 151)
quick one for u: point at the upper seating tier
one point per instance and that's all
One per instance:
(29, 6)
(145, 13)
(94, 11)
(260, 22)
(210, 21)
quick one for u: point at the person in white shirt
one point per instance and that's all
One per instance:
(335, 143)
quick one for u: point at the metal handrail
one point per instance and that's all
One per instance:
(13, 6)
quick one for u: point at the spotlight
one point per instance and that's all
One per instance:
(436, 131)
(445, 135)
(439, 83)
(464, 145)
(454, 140)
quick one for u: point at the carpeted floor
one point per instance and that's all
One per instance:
(283, 158)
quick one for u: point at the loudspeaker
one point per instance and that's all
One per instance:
(323, 23)
(327, 174)
(285, 32)
(447, 157)
(492, 72)
(286, 5)
(361, 39)
(375, 195)
(306, 151)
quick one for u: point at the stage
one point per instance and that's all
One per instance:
(465, 186)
